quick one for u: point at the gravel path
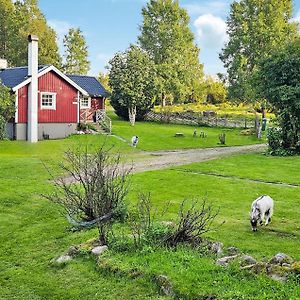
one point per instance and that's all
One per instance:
(166, 159)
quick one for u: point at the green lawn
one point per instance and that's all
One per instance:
(155, 136)
(34, 231)
(234, 197)
(253, 166)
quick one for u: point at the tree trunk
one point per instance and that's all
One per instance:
(257, 126)
(132, 114)
(163, 99)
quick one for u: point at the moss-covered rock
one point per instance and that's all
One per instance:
(89, 245)
(281, 258)
(296, 267)
(278, 273)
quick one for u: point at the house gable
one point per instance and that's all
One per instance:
(45, 70)
(66, 96)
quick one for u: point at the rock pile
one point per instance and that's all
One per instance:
(279, 267)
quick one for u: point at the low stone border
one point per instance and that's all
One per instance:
(280, 267)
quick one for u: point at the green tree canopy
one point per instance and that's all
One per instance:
(76, 53)
(255, 29)
(132, 81)
(7, 108)
(29, 19)
(104, 80)
(8, 29)
(167, 38)
(215, 91)
(279, 82)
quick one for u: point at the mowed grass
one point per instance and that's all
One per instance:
(155, 136)
(252, 166)
(33, 231)
(233, 197)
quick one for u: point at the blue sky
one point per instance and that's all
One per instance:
(111, 25)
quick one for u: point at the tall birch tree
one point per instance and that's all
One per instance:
(167, 38)
(76, 53)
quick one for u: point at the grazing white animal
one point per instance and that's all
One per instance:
(261, 210)
(134, 140)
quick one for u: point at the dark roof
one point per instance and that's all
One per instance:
(11, 77)
(90, 84)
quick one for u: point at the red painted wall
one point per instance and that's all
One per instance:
(22, 104)
(66, 111)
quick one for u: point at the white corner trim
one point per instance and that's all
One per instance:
(78, 107)
(54, 69)
(16, 106)
(53, 107)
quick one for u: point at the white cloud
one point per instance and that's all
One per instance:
(207, 7)
(103, 57)
(297, 17)
(211, 31)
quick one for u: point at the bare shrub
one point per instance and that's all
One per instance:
(192, 224)
(94, 189)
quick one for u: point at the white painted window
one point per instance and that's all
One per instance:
(48, 100)
(85, 102)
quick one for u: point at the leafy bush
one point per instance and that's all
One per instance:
(3, 134)
(275, 143)
(7, 108)
(279, 83)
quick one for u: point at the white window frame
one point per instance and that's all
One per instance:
(53, 106)
(85, 106)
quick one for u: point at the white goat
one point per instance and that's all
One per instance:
(261, 209)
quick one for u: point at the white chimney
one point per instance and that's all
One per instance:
(3, 63)
(32, 125)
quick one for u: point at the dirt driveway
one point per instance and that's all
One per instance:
(165, 159)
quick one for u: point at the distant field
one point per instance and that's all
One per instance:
(222, 109)
(154, 136)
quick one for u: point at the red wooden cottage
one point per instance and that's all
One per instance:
(50, 104)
